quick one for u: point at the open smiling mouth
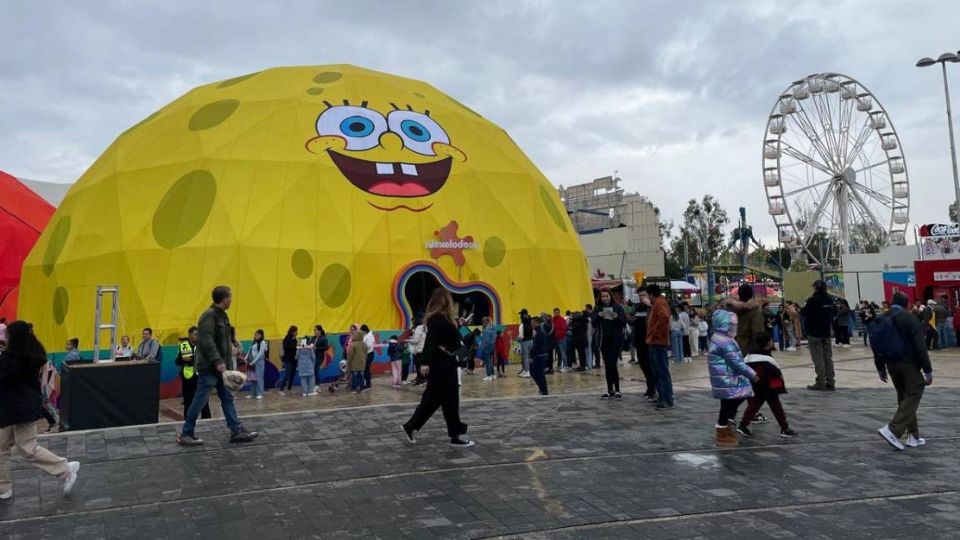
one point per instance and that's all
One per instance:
(393, 179)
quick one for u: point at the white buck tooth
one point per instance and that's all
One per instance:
(408, 169)
(384, 168)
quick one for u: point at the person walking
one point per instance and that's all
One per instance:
(867, 314)
(370, 341)
(211, 356)
(357, 361)
(257, 360)
(641, 313)
(559, 341)
(768, 388)
(416, 342)
(21, 404)
(609, 320)
(526, 342)
(305, 364)
(289, 357)
(658, 340)
(540, 354)
(440, 369)
(818, 312)
(693, 333)
(676, 335)
(188, 372)
(900, 354)
(486, 350)
(730, 376)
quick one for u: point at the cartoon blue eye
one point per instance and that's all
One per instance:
(356, 126)
(415, 130)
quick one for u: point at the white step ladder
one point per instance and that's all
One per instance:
(98, 326)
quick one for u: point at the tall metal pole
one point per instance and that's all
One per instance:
(953, 151)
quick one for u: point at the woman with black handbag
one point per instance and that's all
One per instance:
(439, 366)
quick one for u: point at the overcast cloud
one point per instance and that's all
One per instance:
(674, 95)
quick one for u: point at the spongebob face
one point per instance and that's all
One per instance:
(405, 154)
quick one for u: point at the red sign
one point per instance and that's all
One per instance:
(935, 230)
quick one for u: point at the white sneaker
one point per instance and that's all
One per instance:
(525, 375)
(259, 397)
(247, 397)
(312, 394)
(890, 437)
(791, 349)
(487, 379)
(6, 495)
(73, 468)
(845, 346)
(914, 442)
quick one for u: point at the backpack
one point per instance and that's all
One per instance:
(886, 339)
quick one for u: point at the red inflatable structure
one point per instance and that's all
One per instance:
(23, 215)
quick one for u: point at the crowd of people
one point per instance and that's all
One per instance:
(739, 336)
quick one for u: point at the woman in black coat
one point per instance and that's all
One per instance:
(21, 403)
(439, 366)
(289, 357)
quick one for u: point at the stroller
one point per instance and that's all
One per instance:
(342, 378)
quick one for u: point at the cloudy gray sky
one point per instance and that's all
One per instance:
(674, 95)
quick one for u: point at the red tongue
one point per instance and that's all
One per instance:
(392, 189)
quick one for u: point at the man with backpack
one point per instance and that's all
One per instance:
(899, 350)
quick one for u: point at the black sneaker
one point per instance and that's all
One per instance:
(760, 419)
(788, 433)
(461, 443)
(816, 387)
(605, 396)
(830, 387)
(663, 406)
(243, 436)
(618, 396)
(580, 369)
(188, 440)
(745, 431)
(408, 435)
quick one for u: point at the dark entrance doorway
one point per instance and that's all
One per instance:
(472, 306)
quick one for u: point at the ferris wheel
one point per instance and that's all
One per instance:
(833, 169)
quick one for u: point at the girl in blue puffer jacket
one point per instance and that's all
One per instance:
(730, 376)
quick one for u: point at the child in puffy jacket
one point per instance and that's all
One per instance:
(305, 364)
(730, 376)
(766, 389)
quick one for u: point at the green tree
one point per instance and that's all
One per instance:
(703, 221)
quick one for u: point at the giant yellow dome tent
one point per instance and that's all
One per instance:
(325, 194)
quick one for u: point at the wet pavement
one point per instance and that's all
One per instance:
(564, 466)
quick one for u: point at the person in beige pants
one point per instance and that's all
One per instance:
(21, 403)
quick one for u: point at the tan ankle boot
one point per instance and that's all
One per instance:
(727, 437)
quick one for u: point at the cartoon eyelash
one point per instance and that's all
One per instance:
(426, 112)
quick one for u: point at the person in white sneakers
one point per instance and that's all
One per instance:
(899, 350)
(21, 405)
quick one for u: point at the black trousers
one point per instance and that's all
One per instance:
(538, 367)
(686, 346)
(417, 359)
(291, 369)
(366, 371)
(189, 387)
(404, 370)
(581, 351)
(643, 357)
(728, 410)
(611, 367)
(441, 393)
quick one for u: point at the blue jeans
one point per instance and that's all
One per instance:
(487, 358)
(205, 383)
(307, 385)
(661, 369)
(676, 343)
(525, 347)
(941, 335)
(561, 347)
(357, 381)
(256, 387)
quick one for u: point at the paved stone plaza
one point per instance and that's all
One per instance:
(567, 466)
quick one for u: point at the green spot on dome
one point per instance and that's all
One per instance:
(184, 209)
(552, 209)
(335, 284)
(315, 91)
(213, 114)
(237, 80)
(61, 304)
(327, 77)
(494, 250)
(58, 239)
(302, 263)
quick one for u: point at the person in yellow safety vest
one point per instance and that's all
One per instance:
(188, 374)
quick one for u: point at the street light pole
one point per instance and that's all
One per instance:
(942, 60)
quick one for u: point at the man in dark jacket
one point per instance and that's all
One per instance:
(578, 335)
(819, 312)
(905, 372)
(214, 347)
(641, 313)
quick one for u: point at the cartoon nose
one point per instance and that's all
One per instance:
(391, 141)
